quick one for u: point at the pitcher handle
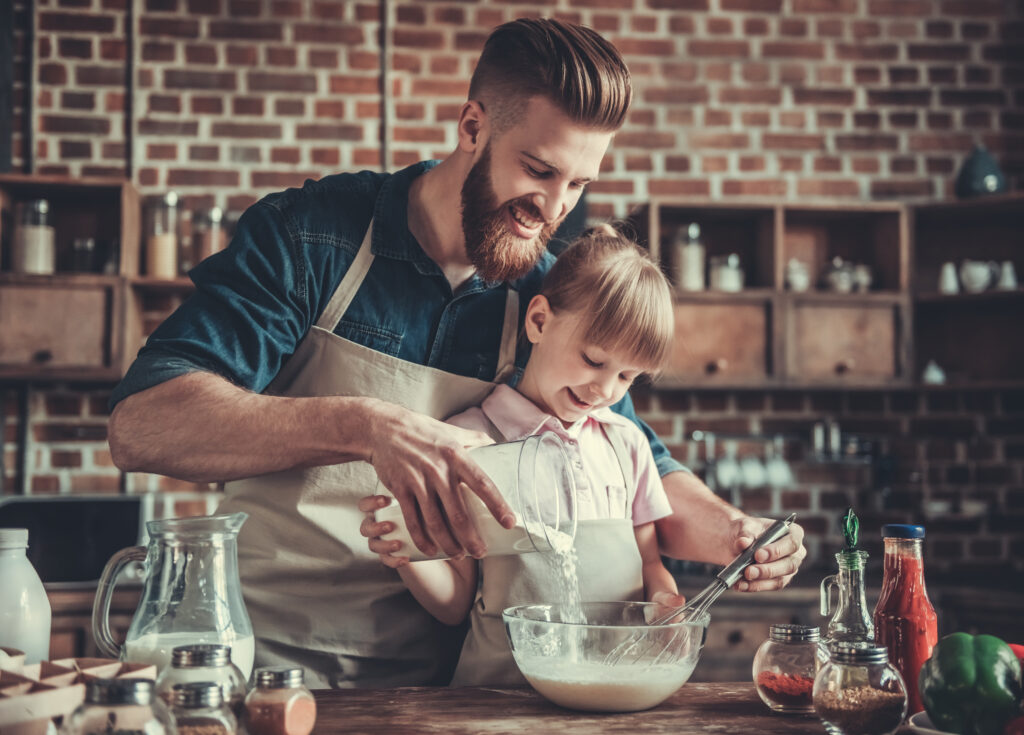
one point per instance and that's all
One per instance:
(826, 585)
(104, 594)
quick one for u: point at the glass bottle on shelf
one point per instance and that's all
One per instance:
(785, 667)
(850, 622)
(34, 249)
(162, 237)
(208, 232)
(858, 692)
(905, 621)
(688, 259)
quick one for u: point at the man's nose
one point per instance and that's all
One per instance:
(554, 203)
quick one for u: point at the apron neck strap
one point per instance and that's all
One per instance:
(349, 286)
(622, 454)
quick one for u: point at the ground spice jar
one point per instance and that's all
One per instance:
(123, 706)
(280, 703)
(786, 665)
(204, 662)
(199, 709)
(858, 692)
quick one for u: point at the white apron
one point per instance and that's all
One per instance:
(608, 566)
(316, 594)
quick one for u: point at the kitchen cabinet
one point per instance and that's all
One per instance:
(768, 336)
(69, 325)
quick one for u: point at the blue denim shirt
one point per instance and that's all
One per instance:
(255, 301)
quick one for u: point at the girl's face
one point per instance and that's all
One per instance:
(566, 376)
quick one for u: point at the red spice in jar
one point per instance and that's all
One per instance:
(787, 689)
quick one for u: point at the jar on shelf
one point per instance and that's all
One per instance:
(120, 706)
(208, 232)
(280, 703)
(199, 709)
(162, 237)
(34, 248)
(786, 665)
(204, 662)
(688, 259)
(858, 692)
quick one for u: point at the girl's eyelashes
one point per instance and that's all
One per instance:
(591, 363)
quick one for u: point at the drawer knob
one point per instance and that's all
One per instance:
(42, 356)
(716, 366)
(845, 366)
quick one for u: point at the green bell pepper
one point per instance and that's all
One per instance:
(971, 685)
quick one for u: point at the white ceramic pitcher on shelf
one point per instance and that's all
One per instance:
(191, 594)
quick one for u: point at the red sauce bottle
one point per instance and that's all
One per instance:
(904, 619)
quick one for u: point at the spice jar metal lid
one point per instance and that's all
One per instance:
(846, 653)
(200, 654)
(119, 691)
(280, 677)
(197, 695)
(791, 633)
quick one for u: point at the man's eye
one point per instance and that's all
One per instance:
(537, 174)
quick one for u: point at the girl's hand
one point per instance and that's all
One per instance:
(666, 602)
(373, 531)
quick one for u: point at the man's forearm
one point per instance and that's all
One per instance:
(701, 525)
(200, 427)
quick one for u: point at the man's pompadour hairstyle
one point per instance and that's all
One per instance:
(570, 65)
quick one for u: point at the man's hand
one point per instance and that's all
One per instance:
(422, 462)
(776, 563)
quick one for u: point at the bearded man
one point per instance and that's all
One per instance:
(322, 348)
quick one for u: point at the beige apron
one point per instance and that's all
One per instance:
(316, 594)
(608, 568)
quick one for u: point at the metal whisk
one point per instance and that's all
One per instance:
(699, 603)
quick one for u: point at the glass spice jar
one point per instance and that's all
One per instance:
(162, 237)
(199, 709)
(785, 667)
(122, 706)
(34, 249)
(204, 662)
(280, 703)
(858, 692)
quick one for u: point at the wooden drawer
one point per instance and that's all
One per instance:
(721, 343)
(833, 342)
(59, 327)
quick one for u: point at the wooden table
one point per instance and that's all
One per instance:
(695, 709)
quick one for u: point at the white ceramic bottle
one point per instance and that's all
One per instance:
(24, 607)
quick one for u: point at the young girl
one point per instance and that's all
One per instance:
(603, 319)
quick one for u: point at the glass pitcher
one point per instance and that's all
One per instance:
(535, 477)
(191, 594)
(851, 621)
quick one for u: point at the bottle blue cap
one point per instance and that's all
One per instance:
(902, 530)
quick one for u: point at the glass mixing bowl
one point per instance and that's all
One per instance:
(613, 662)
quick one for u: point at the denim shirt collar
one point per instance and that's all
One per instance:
(391, 235)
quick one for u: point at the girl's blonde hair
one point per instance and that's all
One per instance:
(621, 292)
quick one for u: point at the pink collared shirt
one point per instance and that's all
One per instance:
(599, 481)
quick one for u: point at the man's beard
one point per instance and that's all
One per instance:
(493, 249)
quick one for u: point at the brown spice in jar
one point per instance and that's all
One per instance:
(294, 717)
(201, 726)
(861, 710)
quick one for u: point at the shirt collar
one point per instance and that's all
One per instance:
(517, 417)
(391, 235)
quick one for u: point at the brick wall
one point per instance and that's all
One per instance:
(782, 99)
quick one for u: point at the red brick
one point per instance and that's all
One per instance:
(793, 27)
(752, 6)
(164, 103)
(806, 96)
(284, 155)
(281, 82)
(444, 65)
(756, 118)
(244, 8)
(867, 75)
(247, 106)
(70, 124)
(207, 105)
(792, 119)
(44, 484)
(750, 96)
(752, 163)
(714, 164)
(920, 8)
(838, 188)
(942, 75)
(245, 154)
(896, 189)
(366, 157)
(903, 119)
(328, 34)
(78, 100)
(354, 85)
(754, 187)
(451, 16)
(280, 179)
(325, 156)
(648, 23)
(903, 165)
(329, 132)
(157, 27)
(368, 110)
(678, 187)
(676, 95)
(861, 165)
(677, 164)
(717, 118)
(828, 164)
(200, 177)
(731, 141)
(237, 30)
(938, 52)
(417, 134)
(793, 49)
(76, 22)
(992, 8)
(681, 25)
(866, 120)
(407, 38)
(949, 142)
(329, 108)
(210, 7)
(645, 47)
(694, 5)
(830, 27)
(290, 107)
(204, 80)
(405, 62)
(736, 49)
(162, 152)
(867, 52)
(774, 141)
(246, 130)
(940, 29)
(242, 55)
(74, 48)
(322, 58)
(972, 97)
(866, 142)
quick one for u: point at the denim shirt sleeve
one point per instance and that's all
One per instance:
(248, 313)
(662, 458)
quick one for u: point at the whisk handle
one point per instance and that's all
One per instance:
(732, 573)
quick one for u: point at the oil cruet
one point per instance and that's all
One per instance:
(191, 593)
(851, 619)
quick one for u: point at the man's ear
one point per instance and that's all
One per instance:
(472, 126)
(537, 317)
